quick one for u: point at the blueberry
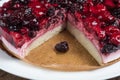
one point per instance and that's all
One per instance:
(109, 48)
(79, 7)
(24, 2)
(81, 1)
(14, 28)
(50, 12)
(116, 12)
(32, 34)
(62, 4)
(97, 1)
(28, 11)
(52, 1)
(3, 22)
(62, 47)
(33, 25)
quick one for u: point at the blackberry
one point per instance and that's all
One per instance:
(52, 1)
(24, 2)
(116, 12)
(14, 28)
(81, 1)
(50, 12)
(62, 47)
(32, 34)
(95, 2)
(79, 7)
(109, 48)
(28, 11)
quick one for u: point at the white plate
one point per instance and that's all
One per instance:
(19, 68)
(25, 70)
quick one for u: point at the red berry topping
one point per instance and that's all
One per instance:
(92, 23)
(105, 16)
(38, 8)
(18, 40)
(24, 30)
(111, 30)
(23, 19)
(109, 3)
(78, 16)
(98, 8)
(115, 38)
(85, 8)
(101, 34)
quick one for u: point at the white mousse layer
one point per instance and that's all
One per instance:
(28, 46)
(85, 42)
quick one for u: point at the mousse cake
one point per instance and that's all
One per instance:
(26, 24)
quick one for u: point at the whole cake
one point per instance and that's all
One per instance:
(26, 24)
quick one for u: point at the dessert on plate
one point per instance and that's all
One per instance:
(26, 24)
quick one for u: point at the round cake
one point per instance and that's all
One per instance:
(26, 24)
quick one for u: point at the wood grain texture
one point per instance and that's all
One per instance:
(7, 76)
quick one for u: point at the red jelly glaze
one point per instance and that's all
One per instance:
(100, 17)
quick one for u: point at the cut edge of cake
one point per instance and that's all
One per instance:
(91, 48)
(86, 43)
(24, 51)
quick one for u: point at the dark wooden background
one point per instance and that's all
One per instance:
(7, 76)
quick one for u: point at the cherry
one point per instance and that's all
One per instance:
(78, 16)
(92, 22)
(105, 16)
(100, 34)
(18, 40)
(98, 8)
(115, 38)
(43, 22)
(26, 38)
(111, 30)
(24, 30)
(16, 5)
(109, 3)
(85, 8)
(38, 8)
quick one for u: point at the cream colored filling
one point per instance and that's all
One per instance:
(27, 47)
(85, 42)
(44, 38)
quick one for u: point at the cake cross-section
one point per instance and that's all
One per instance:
(26, 24)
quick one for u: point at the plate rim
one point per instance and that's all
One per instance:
(28, 69)
(6, 59)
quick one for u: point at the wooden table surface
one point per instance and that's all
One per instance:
(7, 76)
